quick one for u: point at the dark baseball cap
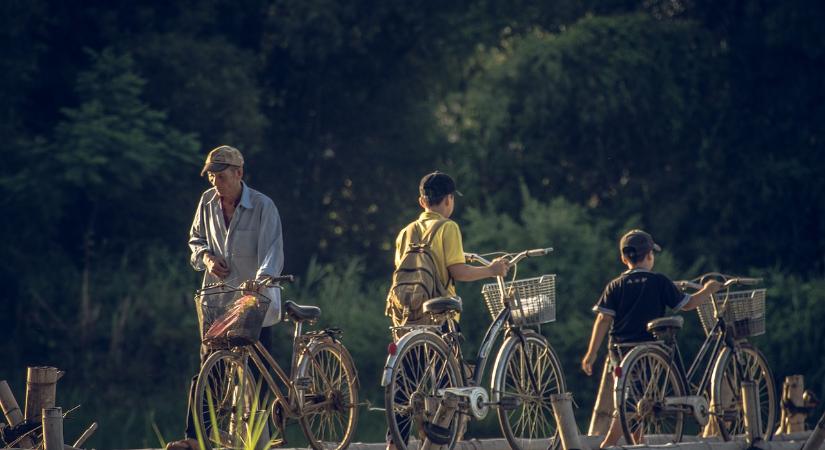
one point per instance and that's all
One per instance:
(638, 242)
(437, 184)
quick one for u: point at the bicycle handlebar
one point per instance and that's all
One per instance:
(266, 282)
(512, 258)
(728, 280)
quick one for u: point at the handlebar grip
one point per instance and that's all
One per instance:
(539, 252)
(746, 281)
(282, 279)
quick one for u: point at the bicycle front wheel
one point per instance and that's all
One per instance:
(526, 374)
(423, 366)
(226, 403)
(646, 379)
(329, 404)
(748, 364)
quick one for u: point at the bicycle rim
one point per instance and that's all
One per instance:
(727, 380)
(225, 393)
(530, 372)
(330, 402)
(423, 367)
(647, 379)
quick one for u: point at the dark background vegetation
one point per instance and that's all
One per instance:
(564, 122)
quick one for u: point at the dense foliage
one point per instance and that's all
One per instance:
(564, 123)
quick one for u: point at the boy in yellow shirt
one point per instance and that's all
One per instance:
(437, 194)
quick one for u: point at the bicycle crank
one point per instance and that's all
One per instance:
(698, 406)
(476, 398)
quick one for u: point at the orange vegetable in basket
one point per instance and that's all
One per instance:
(230, 318)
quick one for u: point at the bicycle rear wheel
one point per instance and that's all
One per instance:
(226, 397)
(647, 378)
(728, 373)
(423, 366)
(530, 372)
(330, 401)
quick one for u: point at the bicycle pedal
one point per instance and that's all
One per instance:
(509, 403)
(302, 382)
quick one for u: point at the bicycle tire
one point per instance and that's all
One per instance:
(424, 365)
(726, 390)
(647, 377)
(333, 381)
(231, 416)
(531, 424)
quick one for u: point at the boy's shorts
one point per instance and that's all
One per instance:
(615, 353)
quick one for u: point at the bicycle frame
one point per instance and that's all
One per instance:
(714, 342)
(263, 361)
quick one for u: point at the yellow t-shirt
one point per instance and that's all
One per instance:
(446, 246)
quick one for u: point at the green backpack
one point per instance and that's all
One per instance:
(416, 279)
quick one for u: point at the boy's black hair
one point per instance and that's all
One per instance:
(435, 201)
(631, 255)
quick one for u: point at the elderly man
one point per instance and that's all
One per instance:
(235, 237)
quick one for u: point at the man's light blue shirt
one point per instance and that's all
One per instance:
(252, 244)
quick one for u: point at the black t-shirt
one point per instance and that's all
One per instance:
(635, 298)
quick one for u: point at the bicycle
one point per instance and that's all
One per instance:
(425, 374)
(653, 391)
(321, 385)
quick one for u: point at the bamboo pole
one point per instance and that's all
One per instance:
(41, 383)
(603, 409)
(12, 412)
(53, 429)
(10, 407)
(86, 435)
(565, 421)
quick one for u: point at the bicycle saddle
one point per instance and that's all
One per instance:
(662, 323)
(298, 312)
(440, 305)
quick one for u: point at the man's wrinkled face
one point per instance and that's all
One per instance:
(226, 181)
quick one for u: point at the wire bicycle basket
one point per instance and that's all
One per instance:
(744, 313)
(534, 299)
(230, 317)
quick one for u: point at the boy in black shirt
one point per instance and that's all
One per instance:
(633, 299)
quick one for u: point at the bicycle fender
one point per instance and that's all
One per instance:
(386, 377)
(618, 393)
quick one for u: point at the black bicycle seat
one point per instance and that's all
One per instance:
(671, 322)
(298, 312)
(440, 305)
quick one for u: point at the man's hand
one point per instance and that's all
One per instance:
(499, 267)
(712, 286)
(587, 363)
(216, 265)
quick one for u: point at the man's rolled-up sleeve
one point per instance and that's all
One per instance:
(270, 242)
(198, 243)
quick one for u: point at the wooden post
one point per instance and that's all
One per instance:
(40, 390)
(603, 409)
(53, 429)
(12, 412)
(565, 421)
(790, 420)
(816, 438)
(85, 436)
(753, 420)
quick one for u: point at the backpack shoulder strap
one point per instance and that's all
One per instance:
(430, 233)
